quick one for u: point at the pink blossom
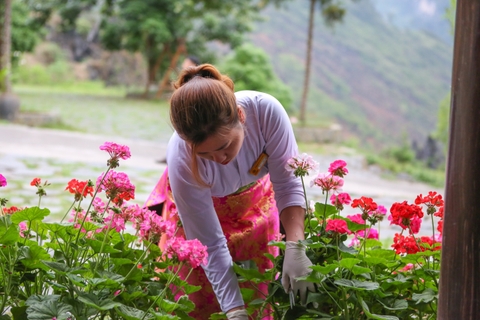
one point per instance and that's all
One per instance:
(327, 182)
(150, 226)
(341, 199)
(116, 293)
(114, 221)
(337, 226)
(191, 251)
(338, 168)
(78, 217)
(408, 267)
(357, 218)
(371, 234)
(116, 152)
(301, 165)
(98, 205)
(23, 227)
(3, 181)
(117, 186)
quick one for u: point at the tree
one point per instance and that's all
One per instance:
(163, 30)
(250, 68)
(332, 12)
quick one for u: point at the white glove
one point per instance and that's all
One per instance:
(296, 264)
(240, 314)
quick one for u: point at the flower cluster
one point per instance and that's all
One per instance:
(112, 246)
(117, 186)
(80, 188)
(191, 251)
(301, 165)
(116, 152)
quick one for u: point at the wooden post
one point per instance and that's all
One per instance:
(460, 267)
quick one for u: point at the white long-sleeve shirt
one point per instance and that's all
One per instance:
(267, 128)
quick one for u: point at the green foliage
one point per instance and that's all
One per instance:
(55, 73)
(87, 268)
(250, 69)
(362, 281)
(24, 33)
(400, 161)
(442, 131)
(362, 72)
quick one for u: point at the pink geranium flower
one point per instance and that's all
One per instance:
(327, 182)
(301, 165)
(337, 226)
(190, 251)
(341, 199)
(117, 186)
(3, 181)
(116, 151)
(338, 168)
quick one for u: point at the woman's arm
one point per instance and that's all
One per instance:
(293, 222)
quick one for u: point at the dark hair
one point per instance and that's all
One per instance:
(202, 104)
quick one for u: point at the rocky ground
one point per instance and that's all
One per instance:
(59, 156)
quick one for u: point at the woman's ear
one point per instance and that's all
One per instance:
(241, 114)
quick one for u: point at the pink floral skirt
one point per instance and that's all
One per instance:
(250, 220)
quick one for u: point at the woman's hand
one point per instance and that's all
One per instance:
(296, 264)
(237, 314)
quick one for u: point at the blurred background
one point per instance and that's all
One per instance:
(360, 77)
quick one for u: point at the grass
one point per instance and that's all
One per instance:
(90, 108)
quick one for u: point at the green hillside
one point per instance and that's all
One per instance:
(378, 81)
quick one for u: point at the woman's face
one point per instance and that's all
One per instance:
(222, 147)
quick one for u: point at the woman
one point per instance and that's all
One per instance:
(226, 178)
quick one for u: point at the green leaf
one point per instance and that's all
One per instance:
(93, 301)
(33, 255)
(55, 226)
(48, 310)
(185, 304)
(60, 268)
(342, 247)
(398, 304)
(36, 299)
(250, 274)
(9, 235)
(96, 245)
(326, 210)
(375, 260)
(426, 296)
(353, 226)
(129, 313)
(372, 315)
(18, 313)
(348, 263)
(357, 284)
(280, 244)
(325, 269)
(247, 294)
(29, 214)
(356, 270)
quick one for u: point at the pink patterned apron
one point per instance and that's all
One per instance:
(249, 219)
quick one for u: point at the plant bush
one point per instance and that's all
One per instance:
(104, 263)
(355, 276)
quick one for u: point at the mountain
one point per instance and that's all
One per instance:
(381, 78)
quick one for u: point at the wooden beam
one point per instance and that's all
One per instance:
(459, 296)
